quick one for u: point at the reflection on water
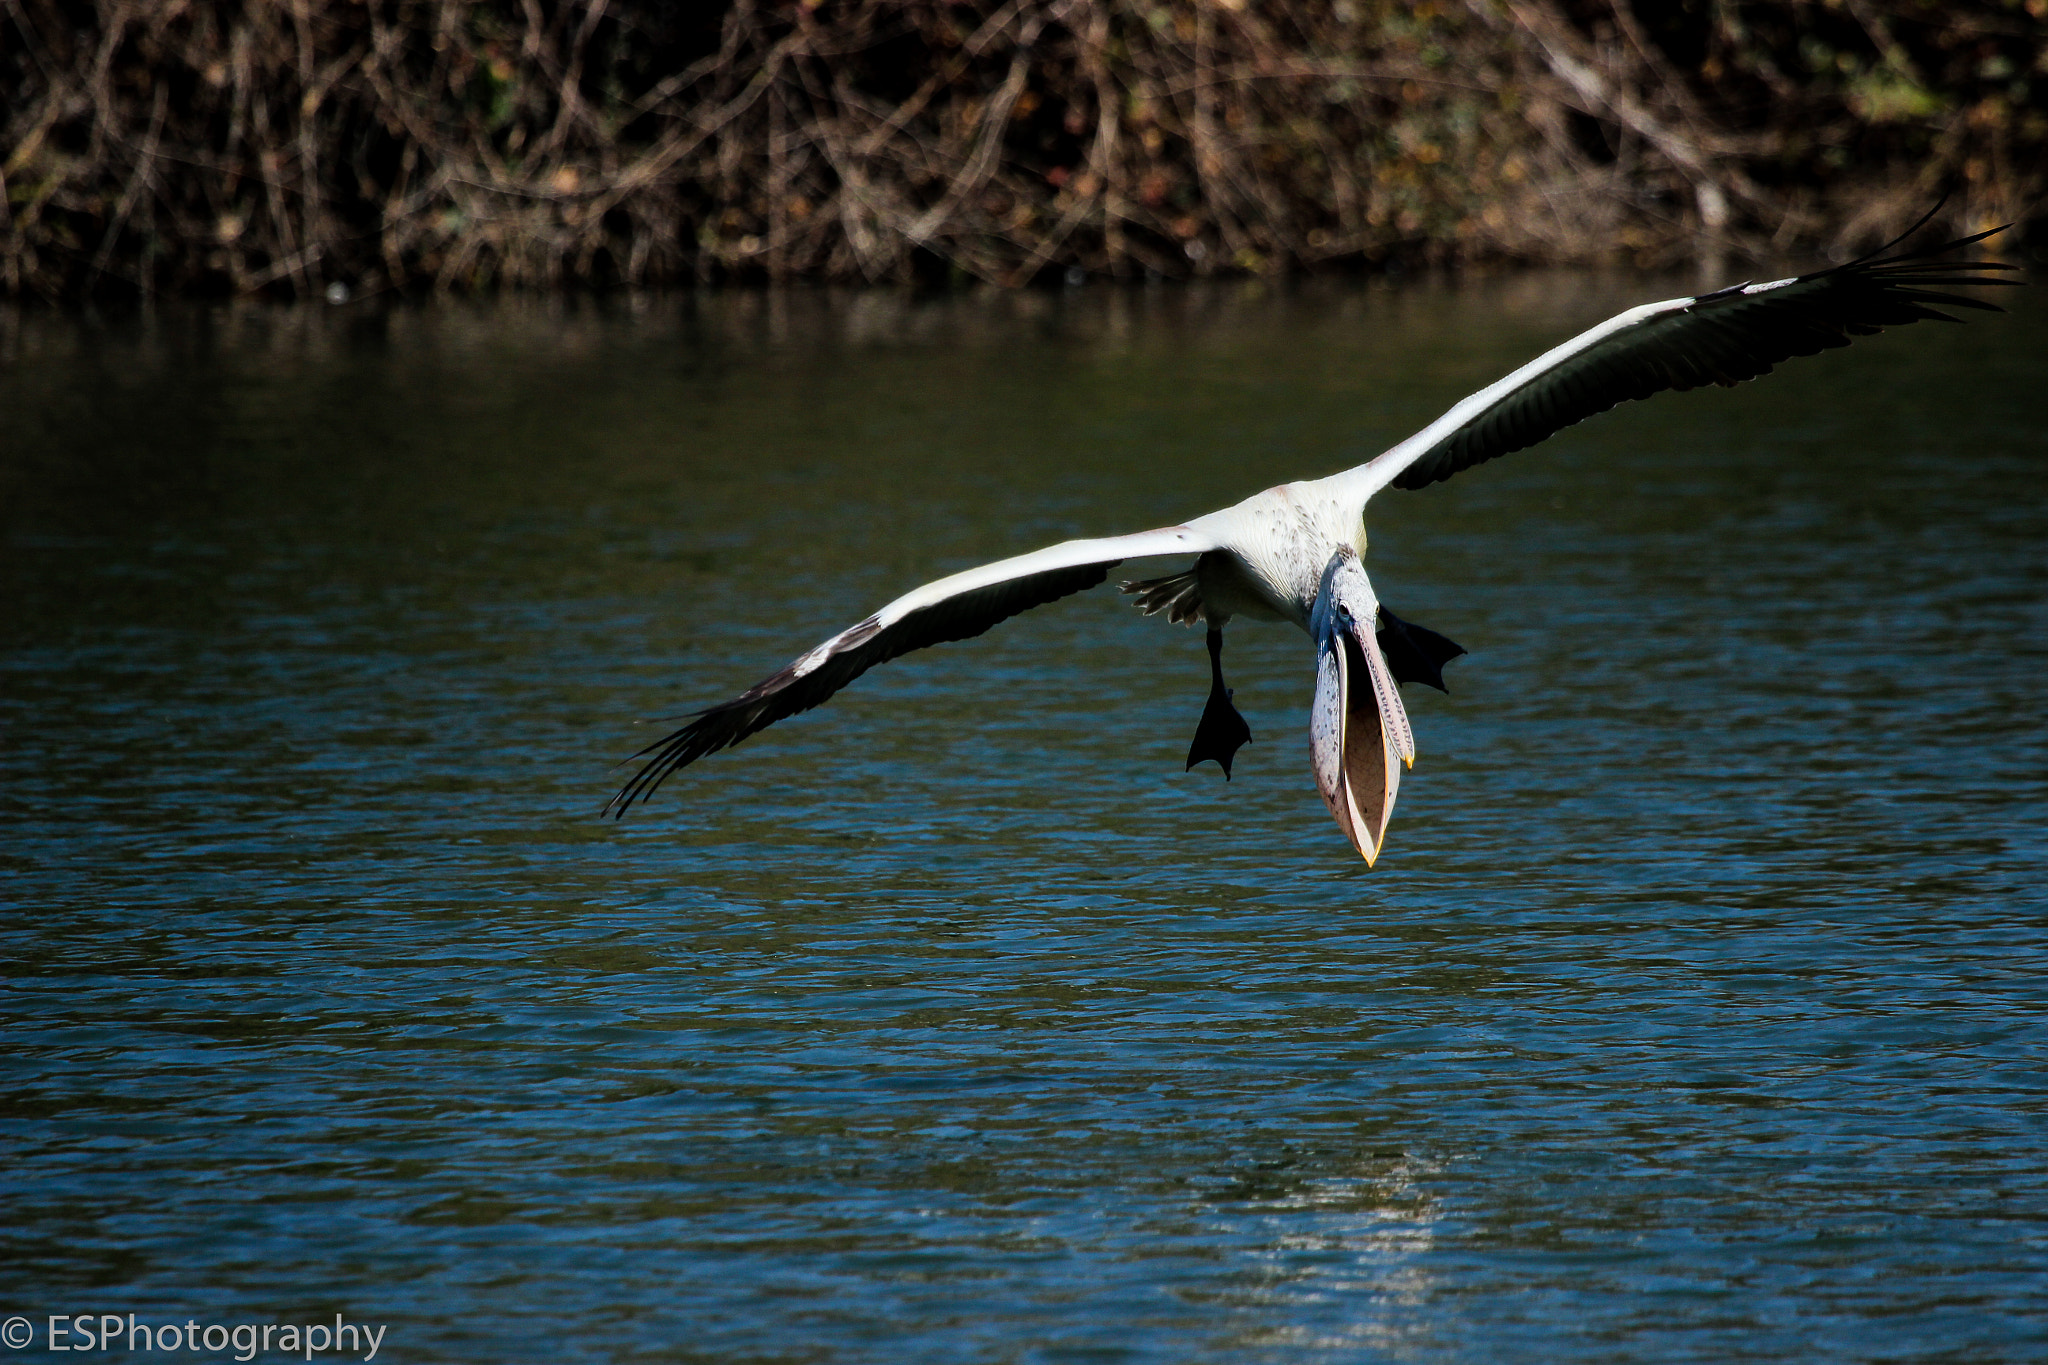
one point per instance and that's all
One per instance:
(1693, 1012)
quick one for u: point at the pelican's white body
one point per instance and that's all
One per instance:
(1272, 549)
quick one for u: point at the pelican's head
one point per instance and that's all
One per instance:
(1358, 729)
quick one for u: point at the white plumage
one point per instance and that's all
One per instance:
(1295, 552)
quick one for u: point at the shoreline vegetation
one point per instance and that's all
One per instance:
(328, 148)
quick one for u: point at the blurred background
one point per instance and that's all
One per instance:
(300, 147)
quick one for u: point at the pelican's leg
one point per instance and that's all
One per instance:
(1222, 731)
(1415, 653)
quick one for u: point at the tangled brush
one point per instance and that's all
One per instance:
(292, 146)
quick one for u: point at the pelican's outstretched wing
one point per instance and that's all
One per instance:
(955, 608)
(1725, 337)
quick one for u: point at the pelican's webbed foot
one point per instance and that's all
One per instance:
(1415, 653)
(1222, 731)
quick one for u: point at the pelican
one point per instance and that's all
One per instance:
(1296, 552)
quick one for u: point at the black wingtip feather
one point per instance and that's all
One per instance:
(1921, 222)
(1724, 337)
(847, 655)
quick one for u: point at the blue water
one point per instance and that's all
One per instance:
(1695, 1010)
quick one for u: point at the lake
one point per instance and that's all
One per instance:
(1697, 1009)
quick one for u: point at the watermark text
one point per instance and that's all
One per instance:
(246, 1340)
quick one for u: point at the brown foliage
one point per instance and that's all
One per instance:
(280, 145)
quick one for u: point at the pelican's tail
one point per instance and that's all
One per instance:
(1179, 596)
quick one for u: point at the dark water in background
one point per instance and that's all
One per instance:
(1695, 1012)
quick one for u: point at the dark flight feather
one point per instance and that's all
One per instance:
(850, 653)
(1720, 338)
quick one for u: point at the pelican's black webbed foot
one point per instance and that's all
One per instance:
(1415, 653)
(1222, 731)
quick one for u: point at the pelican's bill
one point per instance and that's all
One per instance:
(1359, 738)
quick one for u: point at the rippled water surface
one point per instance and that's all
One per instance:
(1695, 1011)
